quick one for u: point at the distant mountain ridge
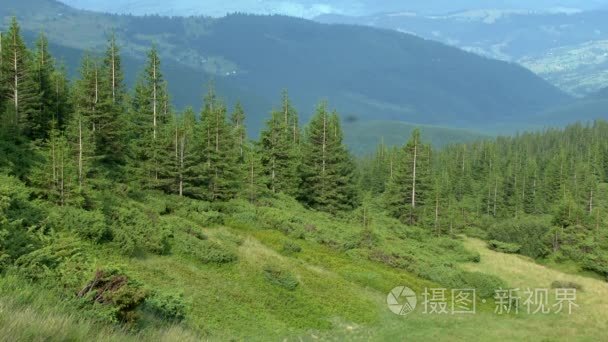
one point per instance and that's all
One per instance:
(366, 73)
(564, 45)
(311, 8)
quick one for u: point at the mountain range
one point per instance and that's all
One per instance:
(311, 8)
(366, 73)
(566, 46)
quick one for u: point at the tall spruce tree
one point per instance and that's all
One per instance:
(44, 74)
(110, 117)
(280, 150)
(149, 110)
(21, 92)
(219, 170)
(81, 128)
(327, 169)
(240, 131)
(408, 190)
(187, 155)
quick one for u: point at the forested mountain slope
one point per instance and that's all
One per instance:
(565, 46)
(368, 73)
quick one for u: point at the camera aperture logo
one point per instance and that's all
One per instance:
(402, 300)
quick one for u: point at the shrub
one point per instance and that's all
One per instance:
(597, 263)
(560, 284)
(170, 307)
(88, 225)
(136, 231)
(41, 264)
(201, 213)
(214, 253)
(118, 296)
(503, 247)
(280, 278)
(205, 251)
(290, 248)
(529, 233)
(231, 238)
(485, 285)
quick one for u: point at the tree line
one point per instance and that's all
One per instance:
(93, 130)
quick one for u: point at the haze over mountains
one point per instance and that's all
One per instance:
(311, 8)
(366, 73)
(567, 47)
(564, 41)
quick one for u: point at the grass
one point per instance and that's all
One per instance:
(324, 291)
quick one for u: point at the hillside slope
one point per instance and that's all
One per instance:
(364, 72)
(564, 46)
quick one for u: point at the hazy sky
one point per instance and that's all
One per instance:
(311, 8)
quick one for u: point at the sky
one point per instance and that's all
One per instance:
(312, 8)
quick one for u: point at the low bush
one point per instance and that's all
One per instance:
(280, 278)
(41, 264)
(167, 306)
(504, 247)
(485, 285)
(597, 263)
(560, 284)
(527, 232)
(201, 213)
(291, 248)
(118, 297)
(89, 225)
(135, 231)
(206, 251)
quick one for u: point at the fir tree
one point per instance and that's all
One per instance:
(254, 185)
(44, 73)
(407, 192)
(219, 168)
(187, 155)
(279, 146)
(21, 92)
(327, 169)
(240, 132)
(110, 119)
(149, 110)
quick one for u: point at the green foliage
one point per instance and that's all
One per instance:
(280, 278)
(167, 306)
(279, 149)
(118, 296)
(205, 251)
(135, 231)
(408, 190)
(327, 169)
(558, 284)
(42, 264)
(291, 248)
(504, 247)
(86, 224)
(219, 172)
(528, 234)
(200, 213)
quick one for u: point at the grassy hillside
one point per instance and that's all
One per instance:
(366, 73)
(341, 282)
